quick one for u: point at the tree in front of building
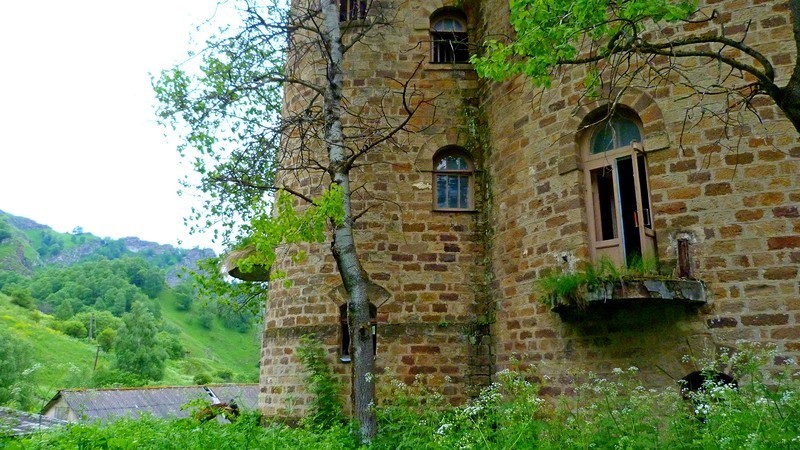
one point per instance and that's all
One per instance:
(246, 146)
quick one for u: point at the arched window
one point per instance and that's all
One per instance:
(618, 196)
(449, 43)
(344, 349)
(352, 10)
(452, 180)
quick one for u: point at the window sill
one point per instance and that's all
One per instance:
(440, 210)
(448, 67)
(650, 291)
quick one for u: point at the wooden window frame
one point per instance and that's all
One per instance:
(469, 173)
(449, 47)
(611, 162)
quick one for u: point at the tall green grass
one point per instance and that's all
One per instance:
(615, 412)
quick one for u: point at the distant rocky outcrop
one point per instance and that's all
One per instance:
(23, 256)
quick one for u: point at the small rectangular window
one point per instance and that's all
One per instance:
(352, 10)
(450, 47)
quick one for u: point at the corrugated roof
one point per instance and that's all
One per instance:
(104, 404)
(19, 423)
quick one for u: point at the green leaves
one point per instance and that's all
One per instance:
(550, 33)
(283, 224)
(225, 103)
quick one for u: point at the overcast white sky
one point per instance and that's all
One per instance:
(79, 145)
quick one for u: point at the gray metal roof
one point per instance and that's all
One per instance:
(105, 404)
(19, 423)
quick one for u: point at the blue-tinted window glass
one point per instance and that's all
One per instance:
(449, 24)
(452, 191)
(627, 132)
(441, 191)
(463, 192)
(603, 139)
(616, 133)
(452, 162)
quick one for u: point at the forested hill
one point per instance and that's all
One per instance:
(77, 310)
(26, 245)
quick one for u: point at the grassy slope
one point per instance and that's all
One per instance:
(63, 361)
(67, 362)
(211, 350)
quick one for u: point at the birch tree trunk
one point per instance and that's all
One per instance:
(343, 246)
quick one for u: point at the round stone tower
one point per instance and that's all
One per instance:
(417, 197)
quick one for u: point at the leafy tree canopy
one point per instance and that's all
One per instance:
(137, 346)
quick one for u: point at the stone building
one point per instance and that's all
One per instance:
(504, 184)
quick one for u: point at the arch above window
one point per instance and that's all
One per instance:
(452, 180)
(449, 41)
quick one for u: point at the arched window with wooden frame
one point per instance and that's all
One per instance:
(453, 181)
(344, 328)
(449, 40)
(618, 193)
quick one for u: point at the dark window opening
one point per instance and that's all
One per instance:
(630, 219)
(646, 216)
(699, 380)
(604, 189)
(352, 10)
(344, 351)
(449, 41)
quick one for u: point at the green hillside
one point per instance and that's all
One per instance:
(57, 360)
(58, 288)
(211, 351)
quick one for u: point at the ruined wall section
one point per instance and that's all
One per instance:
(738, 207)
(423, 262)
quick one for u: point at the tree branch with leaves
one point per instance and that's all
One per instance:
(622, 43)
(274, 136)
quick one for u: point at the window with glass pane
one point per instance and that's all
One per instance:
(615, 133)
(453, 182)
(449, 41)
(619, 211)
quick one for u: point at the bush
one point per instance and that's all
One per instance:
(71, 328)
(202, 378)
(105, 377)
(148, 433)
(171, 344)
(224, 375)
(20, 296)
(106, 339)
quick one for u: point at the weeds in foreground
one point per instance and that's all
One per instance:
(604, 413)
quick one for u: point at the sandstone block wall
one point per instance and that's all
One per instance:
(460, 299)
(737, 205)
(427, 262)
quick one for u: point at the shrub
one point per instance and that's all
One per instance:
(202, 378)
(71, 328)
(326, 407)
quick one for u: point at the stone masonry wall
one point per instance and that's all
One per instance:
(457, 296)
(424, 261)
(737, 206)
